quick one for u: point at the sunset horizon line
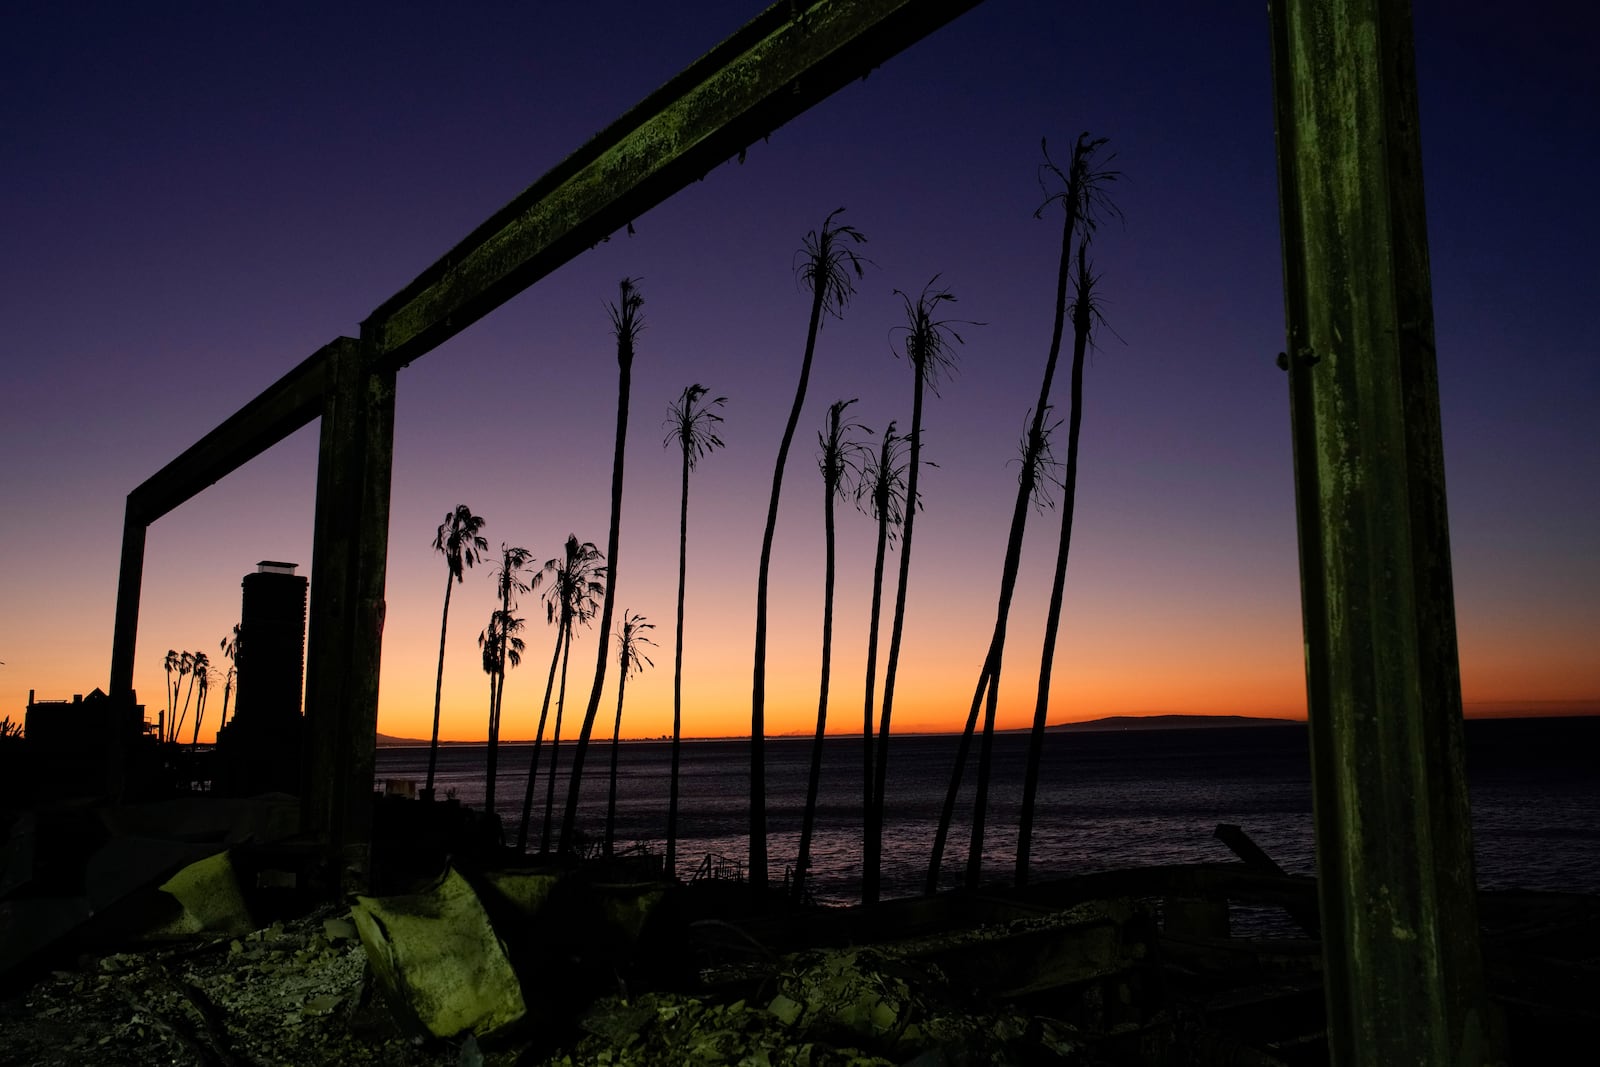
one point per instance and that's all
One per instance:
(1474, 710)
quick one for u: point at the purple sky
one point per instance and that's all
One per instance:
(197, 196)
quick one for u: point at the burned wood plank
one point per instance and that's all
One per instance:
(276, 412)
(779, 64)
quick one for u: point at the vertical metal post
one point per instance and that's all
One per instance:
(349, 559)
(1394, 848)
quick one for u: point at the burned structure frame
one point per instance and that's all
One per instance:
(1396, 885)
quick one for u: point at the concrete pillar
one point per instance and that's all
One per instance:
(1394, 845)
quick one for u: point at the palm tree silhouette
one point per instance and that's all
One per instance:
(199, 670)
(1082, 197)
(883, 486)
(229, 647)
(928, 345)
(631, 659)
(171, 663)
(841, 461)
(825, 264)
(571, 599)
(625, 324)
(1084, 316)
(508, 580)
(460, 542)
(185, 669)
(694, 428)
(501, 646)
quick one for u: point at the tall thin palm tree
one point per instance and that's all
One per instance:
(461, 543)
(170, 664)
(824, 264)
(572, 599)
(928, 344)
(693, 427)
(841, 461)
(631, 659)
(1084, 317)
(229, 647)
(626, 324)
(1080, 191)
(502, 646)
(883, 486)
(509, 582)
(199, 676)
(229, 679)
(185, 670)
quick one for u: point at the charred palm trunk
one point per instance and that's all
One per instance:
(808, 821)
(438, 688)
(871, 830)
(989, 675)
(758, 687)
(677, 677)
(896, 629)
(555, 742)
(627, 329)
(538, 742)
(1082, 320)
(616, 738)
(493, 755)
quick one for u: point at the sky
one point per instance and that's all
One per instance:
(197, 196)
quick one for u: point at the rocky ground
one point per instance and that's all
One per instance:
(300, 993)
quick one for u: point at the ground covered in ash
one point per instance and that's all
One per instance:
(301, 993)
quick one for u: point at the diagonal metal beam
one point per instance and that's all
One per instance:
(779, 64)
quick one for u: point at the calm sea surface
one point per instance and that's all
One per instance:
(1110, 799)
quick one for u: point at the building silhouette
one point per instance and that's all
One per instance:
(259, 749)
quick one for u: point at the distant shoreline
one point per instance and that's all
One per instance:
(1110, 722)
(1107, 724)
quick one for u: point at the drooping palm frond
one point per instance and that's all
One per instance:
(625, 319)
(826, 260)
(632, 640)
(1038, 469)
(1081, 188)
(499, 642)
(575, 585)
(842, 459)
(881, 490)
(460, 540)
(693, 426)
(926, 341)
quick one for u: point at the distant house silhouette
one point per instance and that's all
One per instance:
(75, 748)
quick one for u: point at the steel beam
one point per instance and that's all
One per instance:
(1394, 846)
(779, 64)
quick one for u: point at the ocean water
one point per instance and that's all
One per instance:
(1106, 800)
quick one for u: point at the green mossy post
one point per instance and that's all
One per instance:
(350, 544)
(1394, 845)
